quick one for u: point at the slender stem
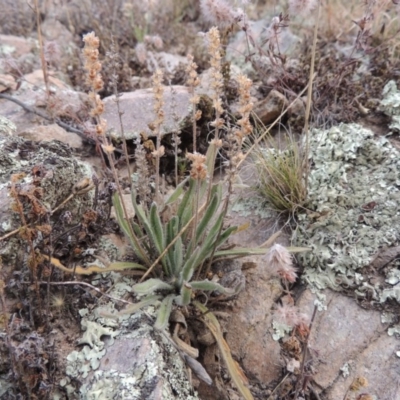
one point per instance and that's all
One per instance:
(42, 59)
(87, 285)
(261, 137)
(158, 142)
(304, 349)
(43, 115)
(194, 124)
(309, 99)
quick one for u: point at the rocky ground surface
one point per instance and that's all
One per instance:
(85, 355)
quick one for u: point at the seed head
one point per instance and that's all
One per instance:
(279, 260)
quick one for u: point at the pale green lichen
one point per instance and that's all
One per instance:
(390, 104)
(251, 205)
(394, 330)
(6, 126)
(280, 330)
(354, 191)
(149, 366)
(345, 370)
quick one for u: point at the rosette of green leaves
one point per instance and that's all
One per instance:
(182, 243)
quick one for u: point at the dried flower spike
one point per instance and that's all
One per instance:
(199, 168)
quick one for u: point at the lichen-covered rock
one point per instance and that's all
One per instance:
(128, 359)
(54, 170)
(354, 192)
(390, 104)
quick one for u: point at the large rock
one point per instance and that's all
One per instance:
(47, 133)
(52, 167)
(349, 342)
(138, 111)
(127, 360)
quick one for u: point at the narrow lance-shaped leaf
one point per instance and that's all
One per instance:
(132, 308)
(189, 267)
(209, 213)
(185, 201)
(172, 231)
(123, 223)
(236, 374)
(164, 312)
(122, 265)
(178, 257)
(198, 369)
(157, 228)
(177, 192)
(212, 286)
(243, 251)
(150, 286)
(207, 246)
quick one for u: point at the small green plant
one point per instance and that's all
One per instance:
(281, 175)
(184, 244)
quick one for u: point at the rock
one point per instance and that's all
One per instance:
(128, 359)
(249, 328)
(298, 108)
(270, 108)
(248, 331)
(35, 78)
(390, 104)
(62, 103)
(357, 216)
(347, 337)
(138, 112)
(16, 46)
(48, 133)
(7, 82)
(237, 50)
(57, 171)
(170, 63)
(59, 46)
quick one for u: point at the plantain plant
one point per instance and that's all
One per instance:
(180, 246)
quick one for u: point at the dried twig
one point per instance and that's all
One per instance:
(67, 127)
(85, 284)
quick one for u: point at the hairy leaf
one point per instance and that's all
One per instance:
(164, 312)
(150, 286)
(176, 193)
(211, 286)
(157, 228)
(132, 308)
(123, 223)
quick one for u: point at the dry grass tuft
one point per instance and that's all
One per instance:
(281, 174)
